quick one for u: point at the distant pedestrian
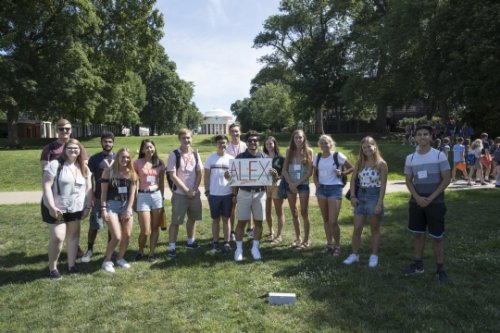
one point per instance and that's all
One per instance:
(427, 175)
(476, 148)
(496, 161)
(459, 160)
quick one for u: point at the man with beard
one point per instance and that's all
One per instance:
(97, 164)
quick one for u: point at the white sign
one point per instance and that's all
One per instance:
(251, 172)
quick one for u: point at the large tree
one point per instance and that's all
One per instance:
(308, 39)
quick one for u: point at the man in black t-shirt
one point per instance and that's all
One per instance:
(97, 164)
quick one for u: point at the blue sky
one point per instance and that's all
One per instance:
(211, 43)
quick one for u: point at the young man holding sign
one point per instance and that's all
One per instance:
(251, 199)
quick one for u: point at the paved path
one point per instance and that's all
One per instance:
(393, 186)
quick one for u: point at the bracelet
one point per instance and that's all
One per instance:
(103, 208)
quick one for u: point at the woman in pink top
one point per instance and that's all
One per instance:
(151, 171)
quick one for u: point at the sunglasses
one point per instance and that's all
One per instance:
(253, 140)
(64, 129)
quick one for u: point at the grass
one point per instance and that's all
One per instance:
(210, 293)
(21, 168)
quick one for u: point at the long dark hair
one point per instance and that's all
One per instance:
(276, 148)
(155, 160)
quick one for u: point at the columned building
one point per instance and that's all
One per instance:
(216, 121)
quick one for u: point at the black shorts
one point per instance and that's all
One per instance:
(67, 217)
(429, 218)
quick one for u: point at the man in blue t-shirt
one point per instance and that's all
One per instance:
(97, 164)
(427, 173)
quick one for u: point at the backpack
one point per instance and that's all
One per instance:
(170, 182)
(336, 162)
(58, 173)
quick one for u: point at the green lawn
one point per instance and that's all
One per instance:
(21, 168)
(211, 293)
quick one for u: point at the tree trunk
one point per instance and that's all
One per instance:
(381, 121)
(319, 121)
(12, 124)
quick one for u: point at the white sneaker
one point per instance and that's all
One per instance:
(256, 253)
(351, 259)
(238, 255)
(123, 263)
(108, 266)
(86, 257)
(233, 237)
(373, 262)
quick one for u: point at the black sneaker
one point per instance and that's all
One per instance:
(214, 248)
(152, 258)
(413, 269)
(193, 246)
(442, 277)
(172, 254)
(73, 270)
(54, 275)
(138, 256)
(226, 249)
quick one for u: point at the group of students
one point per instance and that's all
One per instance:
(479, 159)
(121, 186)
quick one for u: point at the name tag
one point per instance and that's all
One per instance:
(80, 182)
(151, 179)
(297, 167)
(122, 190)
(189, 167)
(422, 174)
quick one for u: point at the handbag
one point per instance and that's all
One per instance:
(356, 190)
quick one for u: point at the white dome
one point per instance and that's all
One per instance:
(220, 113)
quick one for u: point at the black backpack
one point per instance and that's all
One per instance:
(170, 182)
(336, 162)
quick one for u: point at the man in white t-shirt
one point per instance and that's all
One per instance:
(219, 193)
(184, 169)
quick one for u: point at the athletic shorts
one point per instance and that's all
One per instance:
(220, 205)
(429, 218)
(367, 200)
(182, 205)
(329, 192)
(250, 204)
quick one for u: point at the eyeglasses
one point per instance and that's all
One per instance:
(64, 129)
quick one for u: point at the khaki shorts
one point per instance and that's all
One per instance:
(182, 205)
(250, 204)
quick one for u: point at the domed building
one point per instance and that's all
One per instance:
(216, 121)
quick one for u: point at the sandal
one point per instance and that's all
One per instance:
(296, 243)
(336, 251)
(304, 245)
(270, 237)
(276, 240)
(328, 248)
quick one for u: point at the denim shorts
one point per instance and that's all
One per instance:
(149, 201)
(367, 200)
(116, 207)
(302, 188)
(329, 192)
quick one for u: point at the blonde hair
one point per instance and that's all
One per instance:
(328, 139)
(62, 122)
(183, 131)
(362, 158)
(115, 169)
(478, 143)
(305, 150)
